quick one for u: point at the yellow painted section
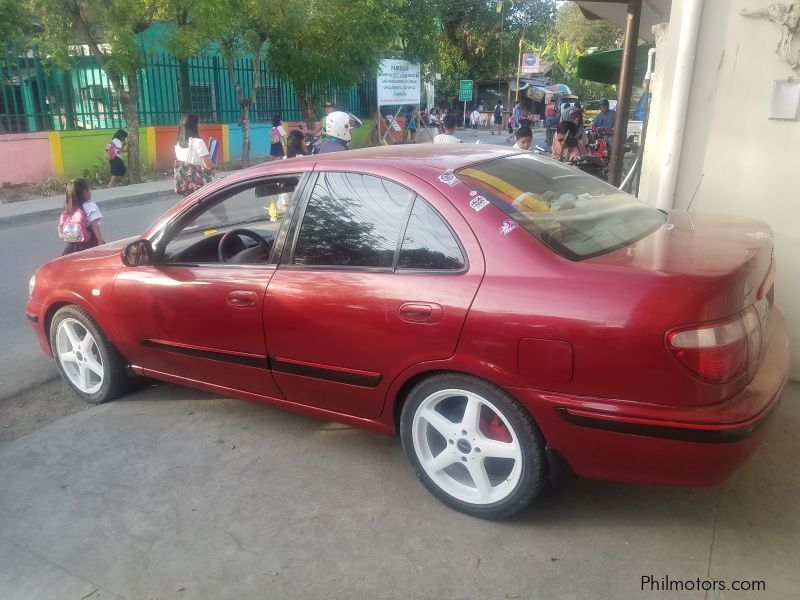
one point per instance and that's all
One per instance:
(150, 132)
(56, 155)
(225, 145)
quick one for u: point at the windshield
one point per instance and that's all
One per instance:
(574, 214)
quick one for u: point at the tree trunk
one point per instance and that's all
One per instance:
(306, 101)
(132, 117)
(244, 116)
(184, 93)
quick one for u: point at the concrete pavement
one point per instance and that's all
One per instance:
(175, 493)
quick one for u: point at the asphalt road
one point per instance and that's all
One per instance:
(22, 363)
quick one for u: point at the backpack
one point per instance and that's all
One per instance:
(111, 151)
(73, 227)
(275, 136)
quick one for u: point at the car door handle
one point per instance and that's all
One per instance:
(421, 312)
(242, 299)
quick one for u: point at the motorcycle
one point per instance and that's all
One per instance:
(313, 143)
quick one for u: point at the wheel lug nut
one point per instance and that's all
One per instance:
(463, 432)
(463, 459)
(477, 449)
(450, 442)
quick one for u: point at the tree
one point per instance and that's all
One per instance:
(573, 27)
(573, 36)
(336, 41)
(487, 32)
(109, 29)
(241, 29)
(452, 66)
(187, 39)
(16, 22)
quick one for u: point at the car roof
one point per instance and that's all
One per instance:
(410, 156)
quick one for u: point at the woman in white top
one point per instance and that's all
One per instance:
(193, 166)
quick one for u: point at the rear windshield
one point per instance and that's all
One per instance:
(574, 214)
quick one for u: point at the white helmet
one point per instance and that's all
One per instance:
(338, 125)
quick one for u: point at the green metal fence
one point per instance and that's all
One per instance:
(36, 98)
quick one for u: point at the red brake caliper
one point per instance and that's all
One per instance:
(495, 429)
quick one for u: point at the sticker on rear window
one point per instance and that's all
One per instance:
(478, 203)
(508, 226)
(449, 178)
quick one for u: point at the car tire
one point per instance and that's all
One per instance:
(473, 446)
(87, 361)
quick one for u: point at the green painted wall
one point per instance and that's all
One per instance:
(360, 135)
(87, 149)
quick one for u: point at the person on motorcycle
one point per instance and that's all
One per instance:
(566, 130)
(605, 118)
(337, 125)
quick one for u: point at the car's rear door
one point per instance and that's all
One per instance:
(373, 280)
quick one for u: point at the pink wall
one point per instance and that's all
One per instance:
(25, 157)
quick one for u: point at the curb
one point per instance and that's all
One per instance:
(44, 215)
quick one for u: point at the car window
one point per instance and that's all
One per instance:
(576, 215)
(428, 242)
(352, 220)
(259, 207)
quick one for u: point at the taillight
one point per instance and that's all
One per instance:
(722, 351)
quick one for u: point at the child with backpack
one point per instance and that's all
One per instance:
(113, 150)
(79, 224)
(276, 135)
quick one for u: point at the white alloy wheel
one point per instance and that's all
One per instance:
(87, 360)
(77, 351)
(473, 445)
(467, 446)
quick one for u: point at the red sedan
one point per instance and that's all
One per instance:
(508, 315)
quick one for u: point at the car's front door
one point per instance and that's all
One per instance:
(372, 282)
(195, 316)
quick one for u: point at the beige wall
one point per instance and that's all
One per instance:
(734, 159)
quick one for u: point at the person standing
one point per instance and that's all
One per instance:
(474, 121)
(498, 118)
(276, 135)
(566, 110)
(113, 151)
(449, 125)
(410, 126)
(321, 128)
(79, 223)
(193, 166)
(550, 121)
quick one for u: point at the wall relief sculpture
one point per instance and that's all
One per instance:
(786, 15)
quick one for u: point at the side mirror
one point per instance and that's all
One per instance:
(138, 253)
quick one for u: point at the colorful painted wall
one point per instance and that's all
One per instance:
(25, 157)
(32, 157)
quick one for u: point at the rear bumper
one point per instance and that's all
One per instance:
(646, 443)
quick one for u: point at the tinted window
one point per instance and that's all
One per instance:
(576, 215)
(428, 243)
(352, 220)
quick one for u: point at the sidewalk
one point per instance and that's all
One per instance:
(40, 210)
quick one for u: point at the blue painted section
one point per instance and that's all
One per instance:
(259, 140)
